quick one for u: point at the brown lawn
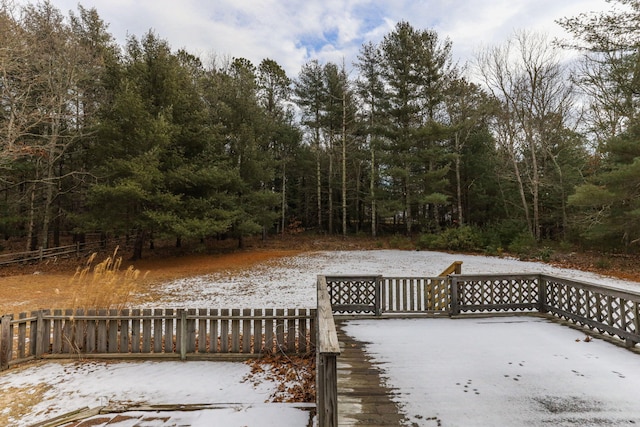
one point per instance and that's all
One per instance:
(24, 288)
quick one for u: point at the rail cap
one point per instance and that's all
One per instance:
(327, 335)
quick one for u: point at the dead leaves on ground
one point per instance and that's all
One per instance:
(294, 376)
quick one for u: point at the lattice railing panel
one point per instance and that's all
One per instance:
(491, 293)
(352, 294)
(601, 308)
(606, 310)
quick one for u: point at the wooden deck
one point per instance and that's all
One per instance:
(362, 398)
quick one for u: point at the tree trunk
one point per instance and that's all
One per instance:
(458, 182)
(408, 214)
(32, 240)
(344, 165)
(46, 219)
(318, 183)
(372, 190)
(138, 245)
(330, 189)
(535, 190)
(284, 199)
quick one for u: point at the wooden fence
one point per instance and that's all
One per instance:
(41, 254)
(162, 333)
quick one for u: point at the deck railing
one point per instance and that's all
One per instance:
(327, 351)
(604, 309)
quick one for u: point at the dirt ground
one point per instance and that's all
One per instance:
(29, 287)
(49, 284)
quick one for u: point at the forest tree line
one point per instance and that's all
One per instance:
(146, 142)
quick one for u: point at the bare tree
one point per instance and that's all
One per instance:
(528, 78)
(49, 74)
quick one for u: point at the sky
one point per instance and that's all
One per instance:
(293, 32)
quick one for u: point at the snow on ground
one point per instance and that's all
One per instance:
(68, 386)
(290, 282)
(516, 370)
(507, 371)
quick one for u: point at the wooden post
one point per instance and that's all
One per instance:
(328, 391)
(636, 318)
(327, 351)
(378, 296)
(455, 305)
(191, 330)
(542, 294)
(5, 342)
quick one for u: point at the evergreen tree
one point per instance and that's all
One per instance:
(310, 93)
(608, 205)
(416, 67)
(372, 96)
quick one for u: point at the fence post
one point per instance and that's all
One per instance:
(5, 341)
(453, 290)
(41, 253)
(458, 267)
(542, 294)
(378, 295)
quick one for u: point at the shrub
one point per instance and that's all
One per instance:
(427, 241)
(523, 245)
(545, 253)
(502, 233)
(400, 242)
(463, 238)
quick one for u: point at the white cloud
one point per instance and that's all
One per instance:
(295, 31)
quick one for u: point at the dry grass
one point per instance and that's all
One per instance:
(16, 402)
(105, 285)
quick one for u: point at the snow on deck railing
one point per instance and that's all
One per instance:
(160, 333)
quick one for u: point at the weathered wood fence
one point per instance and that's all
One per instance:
(41, 254)
(158, 333)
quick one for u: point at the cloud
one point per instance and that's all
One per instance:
(293, 32)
